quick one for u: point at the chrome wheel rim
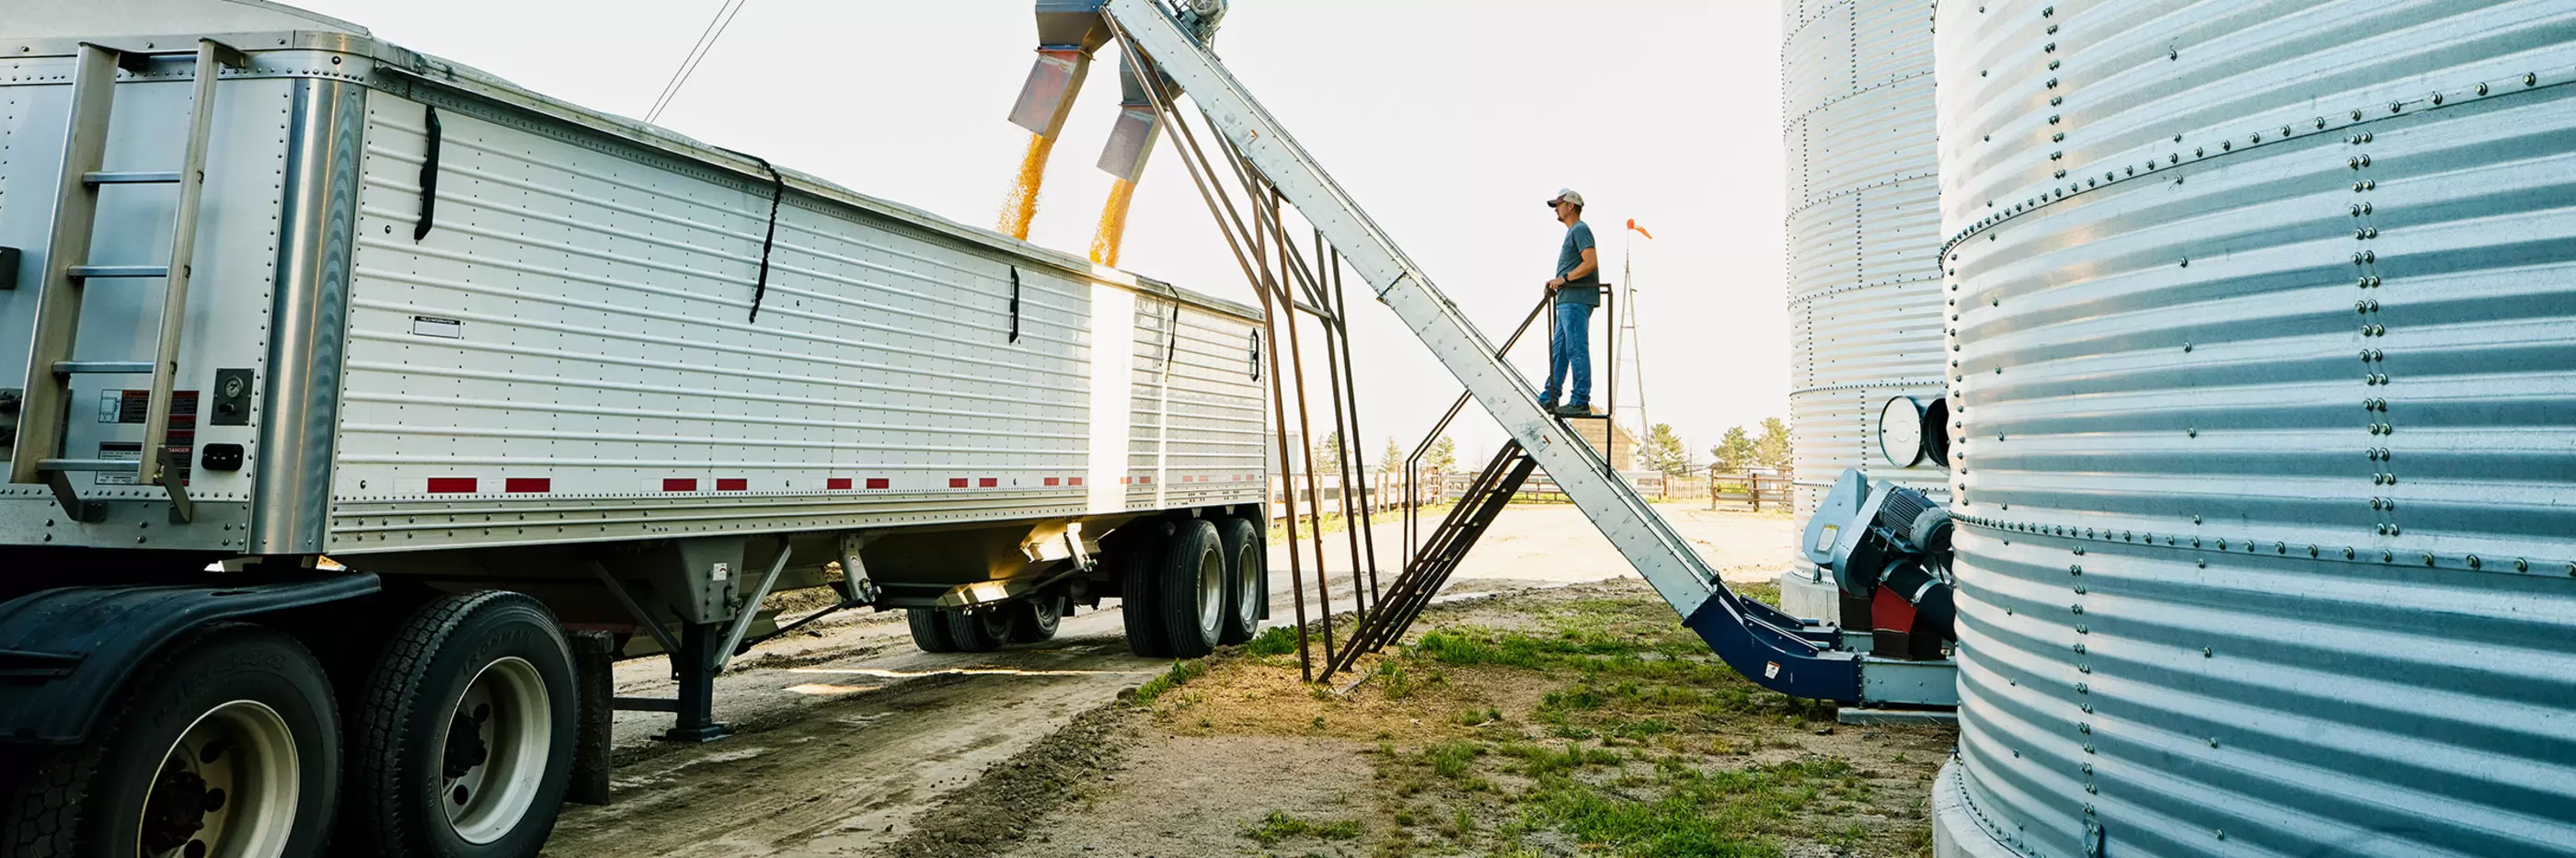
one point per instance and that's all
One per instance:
(226, 789)
(494, 750)
(1211, 590)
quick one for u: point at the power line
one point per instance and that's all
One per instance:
(715, 29)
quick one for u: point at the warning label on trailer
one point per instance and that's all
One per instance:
(134, 406)
(127, 451)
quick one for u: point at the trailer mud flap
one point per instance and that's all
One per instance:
(65, 651)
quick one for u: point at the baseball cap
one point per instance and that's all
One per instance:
(1565, 195)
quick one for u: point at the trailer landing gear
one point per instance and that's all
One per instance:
(695, 667)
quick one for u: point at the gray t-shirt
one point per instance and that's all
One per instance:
(1584, 290)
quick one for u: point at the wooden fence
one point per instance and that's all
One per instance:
(1379, 492)
(1751, 486)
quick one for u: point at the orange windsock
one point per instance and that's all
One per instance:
(1632, 224)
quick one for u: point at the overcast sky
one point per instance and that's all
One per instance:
(1451, 121)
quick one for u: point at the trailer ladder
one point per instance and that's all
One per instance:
(1778, 651)
(46, 402)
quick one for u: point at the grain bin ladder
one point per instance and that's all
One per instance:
(67, 274)
(1773, 649)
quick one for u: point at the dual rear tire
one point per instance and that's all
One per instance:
(1191, 585)
(1030, 620)
(463, 744)
(227, 743)
(457, 743)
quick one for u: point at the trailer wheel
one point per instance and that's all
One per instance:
(978, 631)
(1193, 592)
(1140, 579)
(463, 747)
(1035, 619)
(224, 744)
(929, 629)
(1247, 571)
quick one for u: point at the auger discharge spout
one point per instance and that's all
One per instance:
(1069, 31)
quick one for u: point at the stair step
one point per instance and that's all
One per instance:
(110, 367)
(130, 177)
(89, 271)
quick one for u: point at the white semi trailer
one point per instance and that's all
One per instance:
(541, 383)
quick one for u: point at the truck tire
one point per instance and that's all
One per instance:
(978, 631)
(1247, 579)
(1193, 589)
(929, 629)
(1036, 618)
(463, 745)
(227, 739)
(1140, 570)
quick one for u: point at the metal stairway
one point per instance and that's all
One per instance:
(67, 277)
(1429, 570)
(1776, 650)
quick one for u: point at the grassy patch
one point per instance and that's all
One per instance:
(1394, 682)
(1452, 760)
(1181, 672)
(1537, 760)
(1276, 640)
(1282, 825)
(1719, 814)
(1638, 729)
(1585, 721)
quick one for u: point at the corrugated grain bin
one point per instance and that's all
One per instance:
(2265, 464)
(1864, 295)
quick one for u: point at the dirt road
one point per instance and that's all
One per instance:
(846, 734)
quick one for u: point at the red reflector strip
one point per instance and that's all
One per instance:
(679, 485)
(527, 485)
(879, 483)
(1146, 480)
(956, 482)
(734, 485)
(1054, 480)
(987, 482)
(451, 485)
(1077, 481)
(837, 483)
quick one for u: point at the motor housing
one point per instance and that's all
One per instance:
(1888, 549)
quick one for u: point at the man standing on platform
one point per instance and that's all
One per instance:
(1577, 288)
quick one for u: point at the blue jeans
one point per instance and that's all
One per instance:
(1571, 346)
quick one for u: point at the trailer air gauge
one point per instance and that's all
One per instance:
(232, 397)
(1901, 432)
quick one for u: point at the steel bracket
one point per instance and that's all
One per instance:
(81, 511)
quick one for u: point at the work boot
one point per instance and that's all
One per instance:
(1573, 411)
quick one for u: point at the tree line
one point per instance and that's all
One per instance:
(1739, 449)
